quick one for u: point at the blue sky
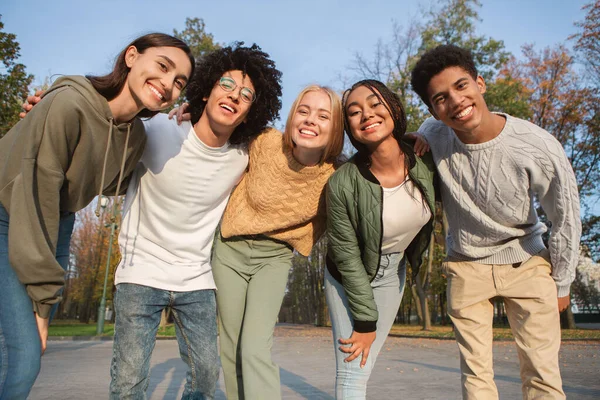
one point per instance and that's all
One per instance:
(311, 41)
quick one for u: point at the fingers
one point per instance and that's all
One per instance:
(173, 112)
(355, 353)
(365, 355)
(182, 114)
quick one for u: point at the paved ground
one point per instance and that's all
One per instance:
(406, 368)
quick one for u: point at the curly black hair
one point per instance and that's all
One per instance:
(435, 61)
(253, 62)
(393, 104)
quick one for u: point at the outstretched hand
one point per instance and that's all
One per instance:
(357, 344)
(181, 114)
(30, 102)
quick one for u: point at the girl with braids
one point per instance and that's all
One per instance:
(380, 208)
(277, 207)
(84, 138)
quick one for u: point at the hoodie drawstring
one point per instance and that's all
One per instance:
(110, 129)
(122, 170)
(114, 214)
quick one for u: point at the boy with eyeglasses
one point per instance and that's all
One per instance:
(491, 166)
(174, 202)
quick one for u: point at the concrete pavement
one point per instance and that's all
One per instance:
(406, 369)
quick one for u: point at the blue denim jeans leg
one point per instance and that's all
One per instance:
(20, 348)
(138, 310)
(388, 288)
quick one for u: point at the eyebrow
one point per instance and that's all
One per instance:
(355, 103)
(320, 109)
(173, 65)
(458, 81)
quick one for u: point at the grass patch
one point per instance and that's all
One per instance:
(76, 328)
(500, 333)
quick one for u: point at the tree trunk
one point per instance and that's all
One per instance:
(422, 286)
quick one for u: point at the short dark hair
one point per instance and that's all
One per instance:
(435, 61)
(392, 102)
(253, 62)
(109, 86)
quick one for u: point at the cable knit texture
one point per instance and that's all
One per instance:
(488, 194)
(278, 197)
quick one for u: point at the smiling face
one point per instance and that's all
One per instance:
(157, 76)
(225, 110)
(369, 120)
(311, 123)
(457, 100)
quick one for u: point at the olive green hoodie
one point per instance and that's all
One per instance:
(64, 153)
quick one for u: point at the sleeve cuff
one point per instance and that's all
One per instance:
(43, 310)
(365, 326)
(563, 290)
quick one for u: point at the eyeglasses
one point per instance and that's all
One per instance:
(229, 85)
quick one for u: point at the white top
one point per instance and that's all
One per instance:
(404, 214)
(174, 203)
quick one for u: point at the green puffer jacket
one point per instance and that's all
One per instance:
(355, 231)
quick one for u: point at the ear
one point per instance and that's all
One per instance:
(481, 84)
(433, 114)
(131, 54)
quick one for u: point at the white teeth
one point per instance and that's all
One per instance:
(371, 126)
(156, 92)
(307, 132)
(464, 112)
(225, 106)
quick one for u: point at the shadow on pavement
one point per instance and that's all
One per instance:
(299, 385)
(174, 367)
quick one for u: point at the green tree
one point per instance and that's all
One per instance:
(14, 81)
(196, 37)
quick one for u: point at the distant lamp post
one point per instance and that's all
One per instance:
(113, 225)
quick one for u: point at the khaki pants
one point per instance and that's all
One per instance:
(530, 299)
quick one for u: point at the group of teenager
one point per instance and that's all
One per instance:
(216, 203)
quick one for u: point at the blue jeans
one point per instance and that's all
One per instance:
(20, 347)
(388, 287)
(138, 310)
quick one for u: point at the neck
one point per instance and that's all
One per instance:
(211, 135)
(387, 156)
(123, 107)
(307, 157)
(490, 127)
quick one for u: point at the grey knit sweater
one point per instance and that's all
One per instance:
(488, 191)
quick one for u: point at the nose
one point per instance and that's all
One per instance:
(368, 113)
(455, 97)
(235, 94)
(310, 119)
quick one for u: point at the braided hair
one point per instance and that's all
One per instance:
(393, 104)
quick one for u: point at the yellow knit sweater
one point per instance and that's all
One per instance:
(278, 197)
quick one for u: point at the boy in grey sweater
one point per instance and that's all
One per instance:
(491, 166)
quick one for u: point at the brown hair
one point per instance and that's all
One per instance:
(109, 86)
(336, 140)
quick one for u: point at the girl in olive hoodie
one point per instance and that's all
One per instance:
(83, 139)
